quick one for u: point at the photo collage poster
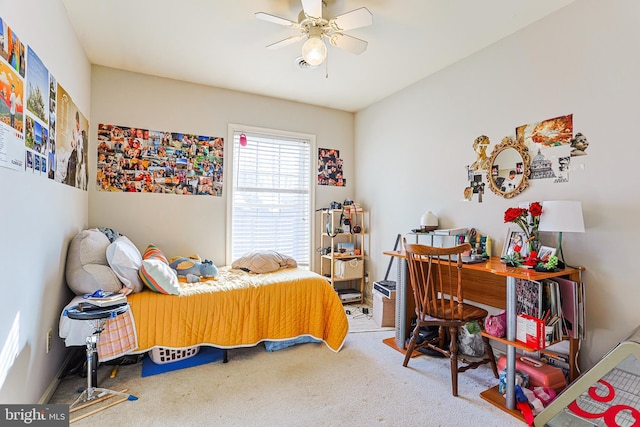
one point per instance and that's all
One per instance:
(12, 73)
(330, 168)
(553, 147)
(148, 161)
(38, 134)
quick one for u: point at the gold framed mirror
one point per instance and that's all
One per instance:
(508, 168)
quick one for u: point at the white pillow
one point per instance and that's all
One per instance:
(125, 260)
(87, 269)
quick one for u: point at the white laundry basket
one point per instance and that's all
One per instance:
(167, 355)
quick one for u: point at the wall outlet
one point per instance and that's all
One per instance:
(49, 338)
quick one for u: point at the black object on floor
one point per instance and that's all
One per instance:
(127, 359)
(427, 333)
(76, 364)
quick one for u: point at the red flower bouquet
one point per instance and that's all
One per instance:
(528, 220)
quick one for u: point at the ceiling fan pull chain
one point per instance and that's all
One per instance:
(326, 68)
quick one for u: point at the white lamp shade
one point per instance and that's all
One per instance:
(314, 51)
(562, 216)
(428, 219)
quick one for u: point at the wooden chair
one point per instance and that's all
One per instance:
(435, 281)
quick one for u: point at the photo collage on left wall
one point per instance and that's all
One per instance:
(42, 131)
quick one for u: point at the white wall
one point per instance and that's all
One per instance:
(195, 225)
(412, 149)
(38, 218)
(411, 152)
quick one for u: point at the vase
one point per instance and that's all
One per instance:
(534, 245)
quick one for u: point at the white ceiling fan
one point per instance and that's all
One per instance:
(315, 28)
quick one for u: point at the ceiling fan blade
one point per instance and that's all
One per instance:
(355, 19)
(312, 8)
(285, 42)
(348, 43)
(275, 19)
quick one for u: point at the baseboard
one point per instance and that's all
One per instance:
(48, 393)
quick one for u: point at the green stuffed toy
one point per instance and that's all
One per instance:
(193, 269)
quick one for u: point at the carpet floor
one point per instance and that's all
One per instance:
(362, 385)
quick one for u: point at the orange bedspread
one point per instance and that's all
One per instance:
(240, 309)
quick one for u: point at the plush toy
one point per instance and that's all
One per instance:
(192, 268)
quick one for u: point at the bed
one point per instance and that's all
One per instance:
(236, 309)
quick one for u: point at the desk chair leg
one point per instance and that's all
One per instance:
(453, 356)
(411, 346)
(490, 356)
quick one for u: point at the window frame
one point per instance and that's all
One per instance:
(229, 165)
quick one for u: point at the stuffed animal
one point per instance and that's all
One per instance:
(192, 268)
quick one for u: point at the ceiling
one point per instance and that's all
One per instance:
(221, 43)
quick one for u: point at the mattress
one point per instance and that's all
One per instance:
(238, 309)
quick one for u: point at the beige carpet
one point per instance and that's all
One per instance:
(306, 385)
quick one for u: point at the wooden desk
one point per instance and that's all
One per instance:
(491, 283)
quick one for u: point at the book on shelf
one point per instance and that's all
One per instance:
(568, 290)
(556, 301)
(108, 300)
(529, 295)
(543, 300)
(451, 231)
(552, 313)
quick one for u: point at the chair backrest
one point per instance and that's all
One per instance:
(436, 279)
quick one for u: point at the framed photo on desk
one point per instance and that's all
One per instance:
(545, 252)
(515, 237)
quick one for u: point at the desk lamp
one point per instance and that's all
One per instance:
(428, 221)
(561, 216)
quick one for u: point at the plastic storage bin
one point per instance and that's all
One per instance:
(540, 374)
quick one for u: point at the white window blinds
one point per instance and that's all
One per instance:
(271, 203)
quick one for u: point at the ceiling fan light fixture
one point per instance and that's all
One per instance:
(313, 28)
(314, 51)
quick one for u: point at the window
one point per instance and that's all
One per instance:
(270, 198)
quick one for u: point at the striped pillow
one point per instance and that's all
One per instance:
(159, 277)
(153, 252)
